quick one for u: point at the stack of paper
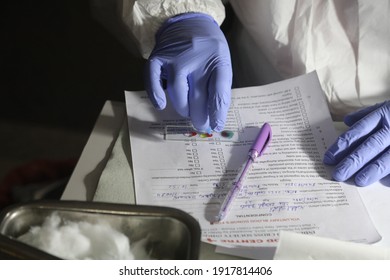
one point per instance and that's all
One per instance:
(288, 188)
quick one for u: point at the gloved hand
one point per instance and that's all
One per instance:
(364, 150)
(192, 55)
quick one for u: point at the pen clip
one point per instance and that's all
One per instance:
(262, 140)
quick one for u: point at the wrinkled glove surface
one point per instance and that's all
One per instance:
(192, 56)
(364, 150)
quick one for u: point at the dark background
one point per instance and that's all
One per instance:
(58, 67)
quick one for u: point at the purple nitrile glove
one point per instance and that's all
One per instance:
(364, 150)
(192, 55)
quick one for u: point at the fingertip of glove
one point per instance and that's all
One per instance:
(339, 174)
(158, 101)
(329, 159)
(218, 128)
(361, 182)
(365, 177)
(349, 119)
(158, 105)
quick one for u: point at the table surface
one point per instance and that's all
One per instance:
(84, 180)
(85, 177)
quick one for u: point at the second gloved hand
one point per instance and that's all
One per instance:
(192, 55)
(364, 150)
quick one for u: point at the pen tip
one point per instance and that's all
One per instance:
(217, 219)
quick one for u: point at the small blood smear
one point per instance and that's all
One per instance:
(227, 134)
(191, 134)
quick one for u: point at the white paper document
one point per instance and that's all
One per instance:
(288, 187)
(294, 246)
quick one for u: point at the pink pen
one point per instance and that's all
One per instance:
(257, 149)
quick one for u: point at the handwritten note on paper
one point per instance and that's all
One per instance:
(288, 188)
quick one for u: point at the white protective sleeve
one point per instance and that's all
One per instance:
(144, 17)
(346, 42)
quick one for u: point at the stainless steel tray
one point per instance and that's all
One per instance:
(172, 233)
